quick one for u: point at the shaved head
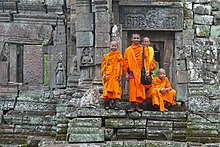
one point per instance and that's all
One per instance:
(162, 70)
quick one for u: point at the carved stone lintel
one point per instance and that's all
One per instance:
(157, 18)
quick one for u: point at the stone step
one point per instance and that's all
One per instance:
(13, 139)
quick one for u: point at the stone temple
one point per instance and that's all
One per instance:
(50, 83)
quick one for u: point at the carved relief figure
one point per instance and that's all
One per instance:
(86, 57)
(74, 70)
(59, 73)
(209, 66)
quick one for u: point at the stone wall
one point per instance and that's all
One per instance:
(200, 50)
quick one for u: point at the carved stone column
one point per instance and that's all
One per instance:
(85, 39)
(102, 35)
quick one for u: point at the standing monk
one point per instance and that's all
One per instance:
(132, 68)
(161, 93)
(111, 71)
(149, 56)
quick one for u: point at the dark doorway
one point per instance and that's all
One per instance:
(20, 63)
(163, 44)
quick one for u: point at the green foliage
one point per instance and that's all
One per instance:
(46, 69)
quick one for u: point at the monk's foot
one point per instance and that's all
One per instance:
(131, 109)
(139, 109)
(106, 107)
(165, 110)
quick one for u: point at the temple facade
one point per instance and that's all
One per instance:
(50, 83)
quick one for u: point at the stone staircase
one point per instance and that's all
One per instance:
(27, 119)
(34, 117)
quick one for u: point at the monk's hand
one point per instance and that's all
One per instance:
(152, 67)
(126, 77)
(147, 72)
(167, 89)
(104, 77)
(119, 78)
(163, 89)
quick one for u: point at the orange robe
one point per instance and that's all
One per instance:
(161, 98)
(112, 66)
(149, 57)
(133, 64)
(150, 63)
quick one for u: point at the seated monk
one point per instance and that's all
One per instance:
(161, 93)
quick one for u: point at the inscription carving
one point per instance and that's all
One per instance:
(158, 18)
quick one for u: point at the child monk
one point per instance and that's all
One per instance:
(111, 71)
(161, 93)
(149, 55)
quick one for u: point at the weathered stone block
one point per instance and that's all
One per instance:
(102, 20)
(84, 39)
(188, 36)
(202, 9)
(182, 77)
(215, 31)
(109, 134)
(165, 125)
(150, 143)
(131, 133)
(115, 113)
(181, 64)
(13, 62)
(203, 19)
(119, 123)
(59, 36)
(114, 143)
(188, 14)
(188, 23)
(4, 75)
(215, 4)
(188, 5)
(202, 30)
(85, 122)
(182, 92)
(82, 7)
(200, 104)
(134, 143)
(140, 123)
(84, 22)
(99, 54)
(175, 116)
(33, 64)
(89, 112)
(85, 130)
(102, 40)
(86, 137)
(199, 1)
(37, 34)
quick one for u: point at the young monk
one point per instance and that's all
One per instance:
(132, 68)
(111, 71)
(161, 93)
(149, 55)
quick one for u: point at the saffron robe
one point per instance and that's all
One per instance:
(159, 98)
(132, 66)
(112, 64)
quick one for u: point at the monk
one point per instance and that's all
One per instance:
(132, 68)
(111, 71)
(149, 56)
(161, 93)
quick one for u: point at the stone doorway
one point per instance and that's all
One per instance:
(163, 44)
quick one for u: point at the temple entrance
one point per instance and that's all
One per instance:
(163, 44)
